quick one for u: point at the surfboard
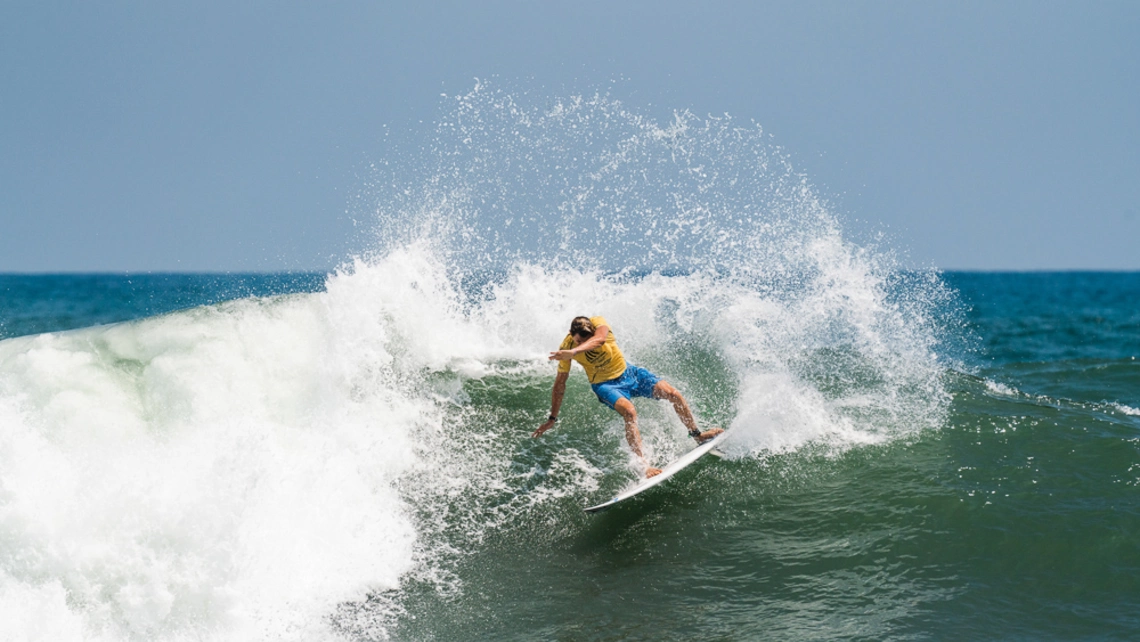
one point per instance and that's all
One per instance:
(672, 469)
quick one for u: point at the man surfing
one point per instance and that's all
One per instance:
(592, 344)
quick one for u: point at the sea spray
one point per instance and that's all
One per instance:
(697, 223)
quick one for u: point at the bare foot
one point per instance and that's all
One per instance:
(652, 472)
(708, 434)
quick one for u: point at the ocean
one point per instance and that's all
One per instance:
(914, 454)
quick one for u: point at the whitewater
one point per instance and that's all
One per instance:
(316, 465)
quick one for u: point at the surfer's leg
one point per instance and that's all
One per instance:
(632, 435)
(667, 392)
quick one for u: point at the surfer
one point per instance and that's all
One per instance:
(592, 344)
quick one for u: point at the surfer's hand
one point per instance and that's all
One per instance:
(708, 434)
(543, 428)
(561, 355)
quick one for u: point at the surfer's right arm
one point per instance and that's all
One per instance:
(555, 402)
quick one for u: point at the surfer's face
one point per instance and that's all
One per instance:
(579, 340)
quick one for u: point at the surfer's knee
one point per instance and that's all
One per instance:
(626, 409)
(667, 392)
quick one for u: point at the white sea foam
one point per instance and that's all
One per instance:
(1128, 410)
(1001, 388)
(213, 472)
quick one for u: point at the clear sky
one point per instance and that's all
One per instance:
(154, 136)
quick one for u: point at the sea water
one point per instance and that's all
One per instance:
(346, 456)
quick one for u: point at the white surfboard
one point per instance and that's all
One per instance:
(666, 472)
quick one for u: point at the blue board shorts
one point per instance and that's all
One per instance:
(634, 382)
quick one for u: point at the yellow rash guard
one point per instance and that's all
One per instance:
(602, 363)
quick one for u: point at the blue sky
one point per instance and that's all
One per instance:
(138, 136)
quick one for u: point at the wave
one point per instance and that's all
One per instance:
(286, 466)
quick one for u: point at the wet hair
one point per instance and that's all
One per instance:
(581, 327)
